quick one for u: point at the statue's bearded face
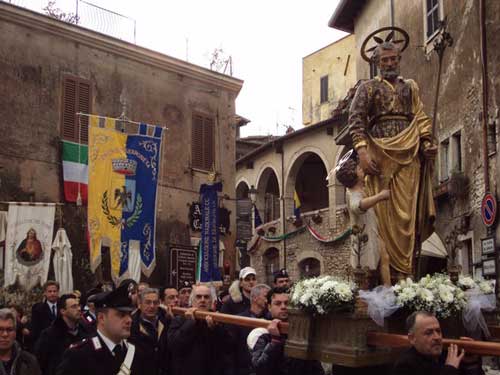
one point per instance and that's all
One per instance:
(388, 63)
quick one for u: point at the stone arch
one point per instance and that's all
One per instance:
(271, 262)
(268, 194)
(308, 258)
(307, 174)
(242, 188)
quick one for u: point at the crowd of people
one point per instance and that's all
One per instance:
(132, 330)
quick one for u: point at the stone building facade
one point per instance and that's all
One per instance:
(327, 75)
(298, 162)
(37, 54)
(462, 158)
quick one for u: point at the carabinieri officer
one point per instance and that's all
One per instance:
(108, 352)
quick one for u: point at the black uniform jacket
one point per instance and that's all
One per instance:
(92, 357)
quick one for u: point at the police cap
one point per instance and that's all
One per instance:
(117, 299)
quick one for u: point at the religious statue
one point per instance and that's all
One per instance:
(30, 250)
(393, 139)
(369, 253)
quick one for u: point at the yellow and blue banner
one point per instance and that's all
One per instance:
(122, 189)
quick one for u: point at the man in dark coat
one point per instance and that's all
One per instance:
(67, 329)
(267, 346)
(239, 292)
(108, 352)
(196, 347)
(44, 313)
(426, 356)
(149, 330)
(14, 360)
(241, 359)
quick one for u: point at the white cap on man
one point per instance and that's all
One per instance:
(247, 271)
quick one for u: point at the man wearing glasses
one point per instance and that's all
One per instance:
(149, 329)
(14, 360)
(197, 346)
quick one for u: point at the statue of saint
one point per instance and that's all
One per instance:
(393, 139)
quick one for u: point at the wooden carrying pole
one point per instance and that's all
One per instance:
(231, 319)
(389, 340)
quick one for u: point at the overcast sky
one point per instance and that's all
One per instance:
(266, 40)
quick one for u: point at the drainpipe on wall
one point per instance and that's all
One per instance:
(392, 12)
(284, 202)
(484, 71)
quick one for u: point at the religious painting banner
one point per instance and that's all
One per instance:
(209, 244)
(28, 243)
(123, 178)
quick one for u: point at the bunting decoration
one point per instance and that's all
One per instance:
(28, 243)
(123, 178)
(209, 248)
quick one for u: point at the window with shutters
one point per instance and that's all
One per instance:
(76, 97)
(202, 142)
(433, 14)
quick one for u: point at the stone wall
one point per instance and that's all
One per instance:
(35, 54)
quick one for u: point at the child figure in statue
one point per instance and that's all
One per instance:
(371, 252)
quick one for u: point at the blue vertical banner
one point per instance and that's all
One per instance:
(209, 249)
(139, 209)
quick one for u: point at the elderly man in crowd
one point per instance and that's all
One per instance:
(267, 345)
(149, 329)
(197, 346)
(67, 329)
(239, 292)
(426, 355)
(14, 360)
(242, 361)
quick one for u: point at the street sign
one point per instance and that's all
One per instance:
(488, 245)
(489, 267)
(182, 265)
(489, 209)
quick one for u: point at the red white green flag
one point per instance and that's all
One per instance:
(75, 171)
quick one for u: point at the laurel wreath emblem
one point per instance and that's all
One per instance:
(113, 220)
(137, 212)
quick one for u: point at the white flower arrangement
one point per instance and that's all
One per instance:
(434, 293)
(324, 294)
(480, 285)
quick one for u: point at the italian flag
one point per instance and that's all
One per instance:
(75, 171)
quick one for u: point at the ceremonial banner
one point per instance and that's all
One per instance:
(28, 244)
(123, 178)
(75, 171)
(209, 248)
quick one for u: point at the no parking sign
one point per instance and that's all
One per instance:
(489, 209)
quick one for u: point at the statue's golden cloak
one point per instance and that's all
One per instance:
(411, 205)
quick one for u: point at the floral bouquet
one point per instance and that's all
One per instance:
(436, 294)
(480, 285)
(321, 295)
